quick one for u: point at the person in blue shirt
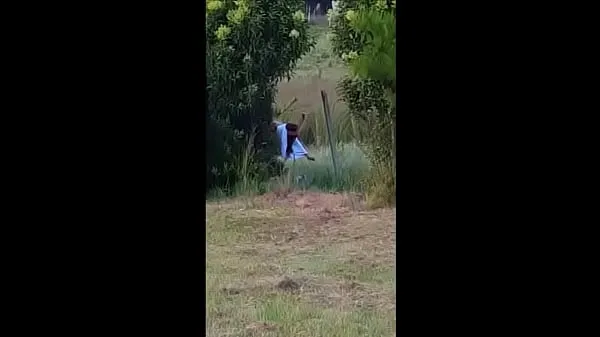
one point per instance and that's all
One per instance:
(290, 145)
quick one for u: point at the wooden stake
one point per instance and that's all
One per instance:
(329, 130)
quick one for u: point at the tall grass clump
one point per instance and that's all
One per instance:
(352, 171)
(245, 168)
(319, 69)
(380, 186)
(352, 174)
(314, 130)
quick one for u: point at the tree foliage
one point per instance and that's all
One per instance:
(365, 37)
(251, 45)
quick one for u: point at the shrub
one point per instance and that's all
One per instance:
(251, 45)
(365, 37)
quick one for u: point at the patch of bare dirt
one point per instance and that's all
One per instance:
(310, 223)
(259, 329)
(287, 284)
(310, 219)
(267, 285)
(323, 206)
(314, 200)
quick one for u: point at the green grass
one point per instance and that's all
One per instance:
(318, 70)
(340, 288)
(340, 260)
(321, 56)
(319, 174)
(303, 174)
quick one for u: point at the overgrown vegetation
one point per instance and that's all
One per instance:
(364, 35)
(251, 45)
(308, 258)
(352, 59)
(353, 167)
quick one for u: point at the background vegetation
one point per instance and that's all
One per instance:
(351, 56)
(309, 263)
(251, 46)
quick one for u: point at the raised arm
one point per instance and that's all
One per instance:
(301, 121)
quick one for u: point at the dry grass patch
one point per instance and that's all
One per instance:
(284, 270)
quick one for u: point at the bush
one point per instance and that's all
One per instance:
(365, 37)
(352, 167)
(251, 45)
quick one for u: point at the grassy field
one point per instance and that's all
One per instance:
(306, 258)
(319, 70)
(306, 264)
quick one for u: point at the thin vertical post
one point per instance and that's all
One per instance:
(329, 130)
